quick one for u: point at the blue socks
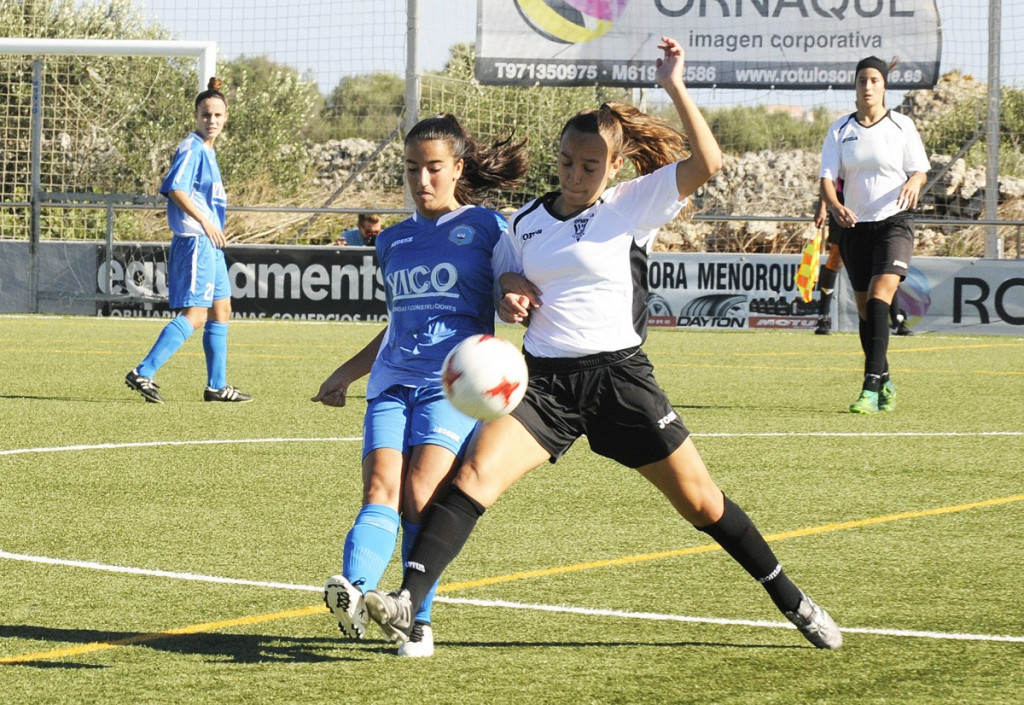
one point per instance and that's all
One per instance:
(409, 534)
(369, 545)
(215, 345)
(172, 337)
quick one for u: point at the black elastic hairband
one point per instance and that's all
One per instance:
(872, 62)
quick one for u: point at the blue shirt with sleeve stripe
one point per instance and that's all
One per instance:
(440, 283)
(195, 171)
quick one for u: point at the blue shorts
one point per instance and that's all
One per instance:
(197, 274)
(403, 417)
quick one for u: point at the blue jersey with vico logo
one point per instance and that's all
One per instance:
(440, 283)
(195, 171)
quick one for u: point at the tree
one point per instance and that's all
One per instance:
(270, 110)
(368, 107)
(491, 112)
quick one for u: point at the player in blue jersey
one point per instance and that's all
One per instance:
(197, 276)
(439, 270)
(580, 281)
(881, 160)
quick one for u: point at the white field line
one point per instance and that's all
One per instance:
(157, 444)
(561, 609)
(785, 434)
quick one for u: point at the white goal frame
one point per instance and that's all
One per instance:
(204, 52)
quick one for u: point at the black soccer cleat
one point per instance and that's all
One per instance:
(228, 393)
(144, 386)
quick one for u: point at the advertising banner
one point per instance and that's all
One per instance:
(708, 291)
(722, 291)
(328, 283)
(792, 44)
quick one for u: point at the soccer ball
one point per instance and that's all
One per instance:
(484, 377)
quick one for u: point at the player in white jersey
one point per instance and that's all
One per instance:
(830, 269)
(580, 281)
(879, 156)
(197, 275)
(440, 270)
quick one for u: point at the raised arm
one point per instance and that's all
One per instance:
(705, 158)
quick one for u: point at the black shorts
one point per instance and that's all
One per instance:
(835, 232)
(612, 398)
(879, 247)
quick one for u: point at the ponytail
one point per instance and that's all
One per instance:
(646, 141)
(502, 164)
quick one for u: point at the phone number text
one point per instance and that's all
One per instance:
(631, 73)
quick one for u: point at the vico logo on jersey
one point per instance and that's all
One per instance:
(418, 282)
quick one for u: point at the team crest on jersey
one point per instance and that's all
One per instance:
(462, 234)
(579, 227)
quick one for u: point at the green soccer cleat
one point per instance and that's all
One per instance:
(887, 397)
(867, 403)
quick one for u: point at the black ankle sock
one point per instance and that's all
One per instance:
(865, 337)
(827, 278)
(736, 533)
(875, 362)
(444, 533)
(827, 285)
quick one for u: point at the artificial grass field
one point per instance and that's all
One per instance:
(579, 585)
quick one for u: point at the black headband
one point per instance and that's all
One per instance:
(872, 62)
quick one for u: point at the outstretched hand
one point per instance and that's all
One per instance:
(670, 66)
(333, 391)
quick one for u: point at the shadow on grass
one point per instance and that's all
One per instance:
(262, 648)
(56, 397)
(237, 648)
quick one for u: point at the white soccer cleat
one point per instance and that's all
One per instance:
(420, 644)
(815, 624)
(393, 612)
(345, 601)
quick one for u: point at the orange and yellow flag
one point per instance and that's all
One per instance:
(807, 272)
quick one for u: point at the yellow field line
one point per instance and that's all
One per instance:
(512, 577)
(144, 638)
(797, 533)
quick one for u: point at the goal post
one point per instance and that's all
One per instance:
(25, 133)
(205, 52)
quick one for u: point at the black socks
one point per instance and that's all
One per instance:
(736, 533)
(874, 339)
(442, 536)
(827, 285)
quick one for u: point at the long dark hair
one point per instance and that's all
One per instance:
(502, 164)
(646, 141)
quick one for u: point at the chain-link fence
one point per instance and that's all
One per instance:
(319, 91)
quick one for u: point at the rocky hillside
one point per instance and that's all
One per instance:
(768, 184)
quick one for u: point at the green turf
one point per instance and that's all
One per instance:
(891, 521)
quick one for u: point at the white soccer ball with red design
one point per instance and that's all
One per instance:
(484, 377)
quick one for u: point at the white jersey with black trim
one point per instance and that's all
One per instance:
(591, 268)
(874, 162)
